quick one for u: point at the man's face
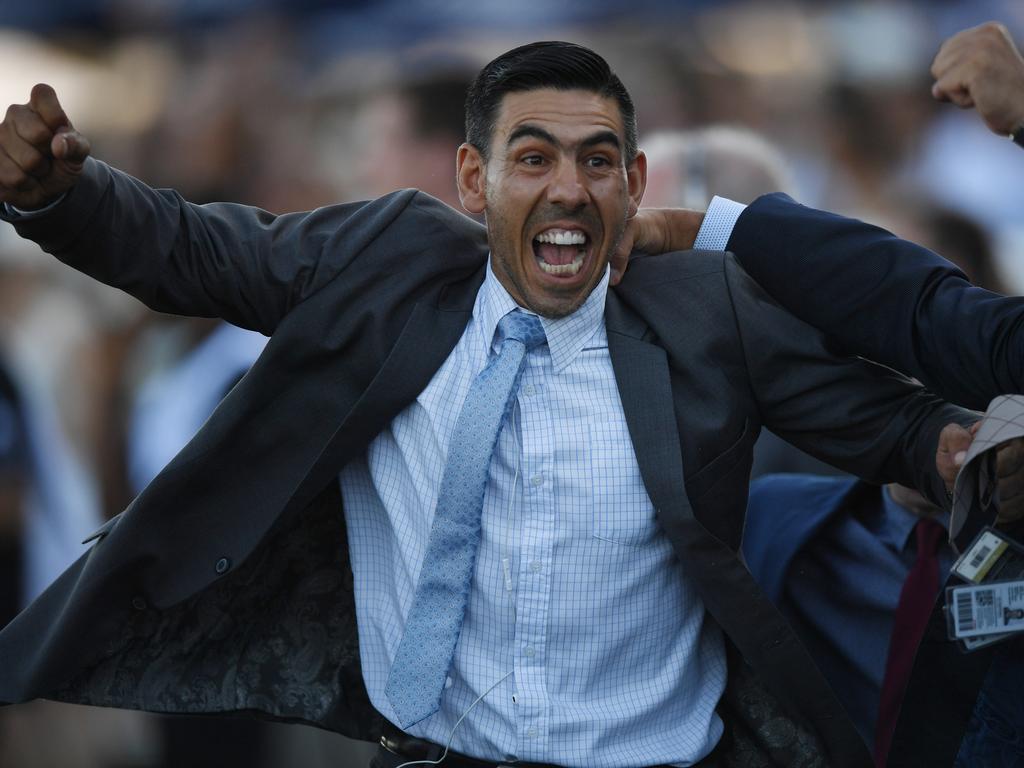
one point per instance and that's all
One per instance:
(556, 192)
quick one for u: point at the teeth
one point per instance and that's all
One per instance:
(563, 269)
(562, 237)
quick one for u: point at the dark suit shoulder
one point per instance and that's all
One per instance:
(646, 268)
(405, 236)
(460, 225)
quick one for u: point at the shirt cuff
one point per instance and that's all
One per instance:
(11, 212)
(718, 223)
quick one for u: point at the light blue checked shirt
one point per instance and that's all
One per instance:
(578, 604)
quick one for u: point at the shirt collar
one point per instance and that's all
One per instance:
(567, 336)
(899, 523)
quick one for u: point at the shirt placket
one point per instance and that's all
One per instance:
(533, 600)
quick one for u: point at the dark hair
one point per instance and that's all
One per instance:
(564, 66)
(435, 103)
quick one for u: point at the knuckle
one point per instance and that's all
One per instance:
(993, 29)
(12, 178)
(35, 164)
(36, 135)
(27, 126)
(41, 91)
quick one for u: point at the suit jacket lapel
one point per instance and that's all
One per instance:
(727, 588)
(641, 372)
(428, 337)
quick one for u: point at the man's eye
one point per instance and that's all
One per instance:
(533, 160)
(597, 161)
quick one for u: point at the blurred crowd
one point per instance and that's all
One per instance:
(829, 102)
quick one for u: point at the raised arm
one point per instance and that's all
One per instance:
(857, 415)
(243, 264)
(884, 298)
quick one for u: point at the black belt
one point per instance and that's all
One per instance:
(403, 745)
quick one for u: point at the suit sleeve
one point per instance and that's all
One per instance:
(884, 298)
(235, 262)
(862, 417)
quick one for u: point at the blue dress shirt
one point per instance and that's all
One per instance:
(578, 606)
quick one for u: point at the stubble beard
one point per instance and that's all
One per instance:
(545, 304)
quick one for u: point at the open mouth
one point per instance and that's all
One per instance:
(560, 252)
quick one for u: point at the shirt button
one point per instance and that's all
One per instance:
(535, 566)
(531, 732)
(538, 480)
(529, 390)
(139, 603)
(222, 565)
(529, 652)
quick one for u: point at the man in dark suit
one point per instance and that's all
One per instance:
(964, 342)
(834, 273)
(226, 586)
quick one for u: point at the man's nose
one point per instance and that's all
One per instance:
(567, 186)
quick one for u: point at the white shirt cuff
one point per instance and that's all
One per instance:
(14, 212)
(718, 223)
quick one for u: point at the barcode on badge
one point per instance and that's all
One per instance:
(978, 560)
(964, 612)
(991, 609)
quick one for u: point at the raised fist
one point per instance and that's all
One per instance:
(41, 154)
(981, 68)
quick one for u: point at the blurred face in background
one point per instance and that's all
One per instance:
(556, 191)
(395, 155)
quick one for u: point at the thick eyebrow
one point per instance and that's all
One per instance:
(532, 131)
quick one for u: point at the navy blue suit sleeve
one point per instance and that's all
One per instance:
(885, 299)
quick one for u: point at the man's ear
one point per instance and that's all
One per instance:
(636, 182)
(471, 175)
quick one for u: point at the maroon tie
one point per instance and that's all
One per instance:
(915, 607)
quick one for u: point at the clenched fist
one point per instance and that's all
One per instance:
(41, 154)
(981, 68)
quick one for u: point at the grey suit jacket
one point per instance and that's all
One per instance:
(225, 586)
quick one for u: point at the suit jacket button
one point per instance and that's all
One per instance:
(222, 565)
(139, 603)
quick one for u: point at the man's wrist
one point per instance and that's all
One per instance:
(13, 212)
(679, 228)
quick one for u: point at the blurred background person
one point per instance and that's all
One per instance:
(406, 133)
(49, 502)
(687, 168)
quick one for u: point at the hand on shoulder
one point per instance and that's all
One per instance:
(656, 230)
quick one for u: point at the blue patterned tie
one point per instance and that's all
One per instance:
(435, 620)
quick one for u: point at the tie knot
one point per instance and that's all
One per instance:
(521, 327)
